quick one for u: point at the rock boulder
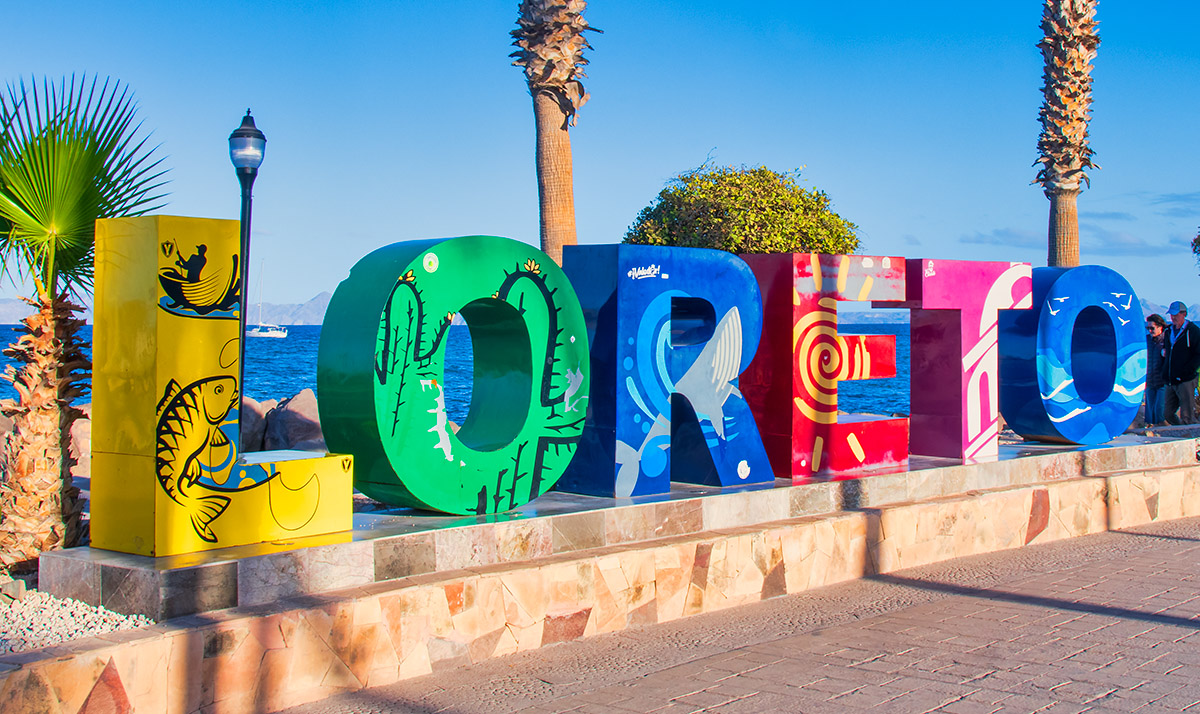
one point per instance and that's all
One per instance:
(254, 422)
(294, 423)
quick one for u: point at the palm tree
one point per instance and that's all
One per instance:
(550, 39)
(67, 157)
(1068, 48)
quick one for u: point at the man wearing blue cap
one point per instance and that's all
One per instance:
(1180, 366)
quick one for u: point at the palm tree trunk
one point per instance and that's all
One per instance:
(554, 171)
(39, 505)
(1064, 229)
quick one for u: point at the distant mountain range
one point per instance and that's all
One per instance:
(312, 312)
(308, 313)
(1149, 308)
(13, 311)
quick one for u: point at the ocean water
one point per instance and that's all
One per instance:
(8, 335)
(276, 369)
(878, 396)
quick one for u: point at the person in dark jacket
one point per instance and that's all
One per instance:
(1156, 337)
(1180, 366)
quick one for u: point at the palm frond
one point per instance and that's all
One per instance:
(69, 153)
(550, 43)
(1068, 48)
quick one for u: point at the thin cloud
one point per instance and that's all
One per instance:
(1179, 240)
(1014, 237)
(911, 239)
(1178, 205)
(1107, 216)
(1097, 240)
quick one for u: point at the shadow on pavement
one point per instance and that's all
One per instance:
(1056, 603)
(1157, 535)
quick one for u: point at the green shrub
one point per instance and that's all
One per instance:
(743, 210)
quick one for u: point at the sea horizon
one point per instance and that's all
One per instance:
(281, 368)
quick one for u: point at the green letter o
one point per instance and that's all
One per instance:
(380, 369)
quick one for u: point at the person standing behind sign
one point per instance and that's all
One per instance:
(1156, 337)
(1180, 366)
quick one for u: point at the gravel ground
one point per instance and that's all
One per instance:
(41, 620)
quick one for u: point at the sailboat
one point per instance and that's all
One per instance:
(264, 329)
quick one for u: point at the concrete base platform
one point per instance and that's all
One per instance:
(399, 543)
(499, 586)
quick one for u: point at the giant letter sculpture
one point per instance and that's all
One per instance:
(381, 379)
(802, 347)
(166, 475)
(671, 329)
(1073, 369)
(953, 370)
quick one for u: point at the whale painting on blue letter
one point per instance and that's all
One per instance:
(671, 330)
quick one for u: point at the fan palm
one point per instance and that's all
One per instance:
(550, 42)
(68, 155)
(1068, 48)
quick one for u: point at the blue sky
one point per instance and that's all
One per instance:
(393, 119)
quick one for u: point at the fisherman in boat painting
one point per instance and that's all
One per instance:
(194, 286)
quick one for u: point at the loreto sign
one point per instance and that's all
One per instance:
(702, 366)
(628, 368)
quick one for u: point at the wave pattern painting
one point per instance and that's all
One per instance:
(1074, 368)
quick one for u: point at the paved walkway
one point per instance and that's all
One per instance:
(1106, 623)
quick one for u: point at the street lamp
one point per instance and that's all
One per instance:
(246, 148)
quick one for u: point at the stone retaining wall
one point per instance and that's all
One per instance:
(269, 657)
(385, 546)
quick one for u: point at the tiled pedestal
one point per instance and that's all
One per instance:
(419, 594)
(386, 545)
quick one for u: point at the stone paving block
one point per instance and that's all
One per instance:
(577, 531)
(1127, 700)
(1154, 686)
(1022, 703)
(963, 706)
(703, 700)
(670, 708)
(523, 540)
(833, 687)
(869, 696)
(735, 688)
(920, 700)
(1083, 692)
(1065, 708)
(629, 525)
(605, 708)
(678, 517)
(470, 547)
(129, 590)
(1181, 700)
(755, 704)
(403, 556)
(1144, 709)
(710, 675)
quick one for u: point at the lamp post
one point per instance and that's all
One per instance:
(246, 148)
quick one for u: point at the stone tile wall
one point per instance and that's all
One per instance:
(555, 524)
(271, 656)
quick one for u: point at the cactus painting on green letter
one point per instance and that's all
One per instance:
(380, 374)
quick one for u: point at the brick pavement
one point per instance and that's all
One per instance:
(1105, 623)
